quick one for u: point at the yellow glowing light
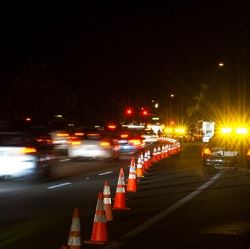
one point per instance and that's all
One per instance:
(241, 130)
(28, 150)
(226, 130)
(207, 151)
(62, 134)
(168, 130)
(76, 142)
(180, 130)
(105, 144)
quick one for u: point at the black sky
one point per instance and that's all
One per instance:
(132, 51)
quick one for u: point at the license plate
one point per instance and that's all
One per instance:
(225, 153)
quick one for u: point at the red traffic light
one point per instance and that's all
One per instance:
(145, 112)
(129, 111)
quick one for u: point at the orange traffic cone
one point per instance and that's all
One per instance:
(155, 157)
(132, 181)
(74, 240)
(120, 198)
(107, 201)
(132, 163)
(163, 152)
(146, 165)
(139, 168)
(99, 231)
(159, 153)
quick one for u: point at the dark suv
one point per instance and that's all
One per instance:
(231, 151)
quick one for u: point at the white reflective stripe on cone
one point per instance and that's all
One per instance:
(74, 241)
(75, 225)
(132, 176)
(106, 200)
(100, 218)
(120, 190)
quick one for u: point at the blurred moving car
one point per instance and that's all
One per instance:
(149, 136)
(60, 139)
(227, 150)
(92, 145)
(129, 142)
(23, 154)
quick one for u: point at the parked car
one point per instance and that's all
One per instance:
(25, 153)
(227, 151)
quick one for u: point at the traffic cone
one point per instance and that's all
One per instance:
(74, 240)
(122, 178)
(139, 168)
(107, 201)
(120, 198)
(132, 181)
(163, 152)
(146, 165)
(99, 232)
(155, 157)
(159, 153)
(132, 163)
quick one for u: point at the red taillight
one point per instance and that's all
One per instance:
(74, 141)
(206, 152)
(124, 135)
(79, 134)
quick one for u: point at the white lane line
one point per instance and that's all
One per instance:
(64, 160)
(59, 185)
(105, 173)
(161, 215)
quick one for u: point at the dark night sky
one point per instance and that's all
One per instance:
(137, 52)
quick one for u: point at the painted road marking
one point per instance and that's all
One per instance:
(59, 185)
(161, 215)
(105, 173)
(64, 160)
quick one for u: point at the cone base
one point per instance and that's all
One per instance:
(132, 191)
(95, 242)
(122, 209)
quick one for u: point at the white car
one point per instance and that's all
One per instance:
(24, 154)
(92, 146)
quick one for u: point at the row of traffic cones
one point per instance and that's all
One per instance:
(104, 207)
(102, 216)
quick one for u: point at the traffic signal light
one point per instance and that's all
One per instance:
(129, 111)
(144, 112)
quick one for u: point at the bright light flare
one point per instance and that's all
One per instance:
(226, 130)
(241, 131)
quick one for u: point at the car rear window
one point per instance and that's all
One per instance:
(15, 139)
(229, 141)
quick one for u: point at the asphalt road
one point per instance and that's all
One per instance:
(178, 204)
